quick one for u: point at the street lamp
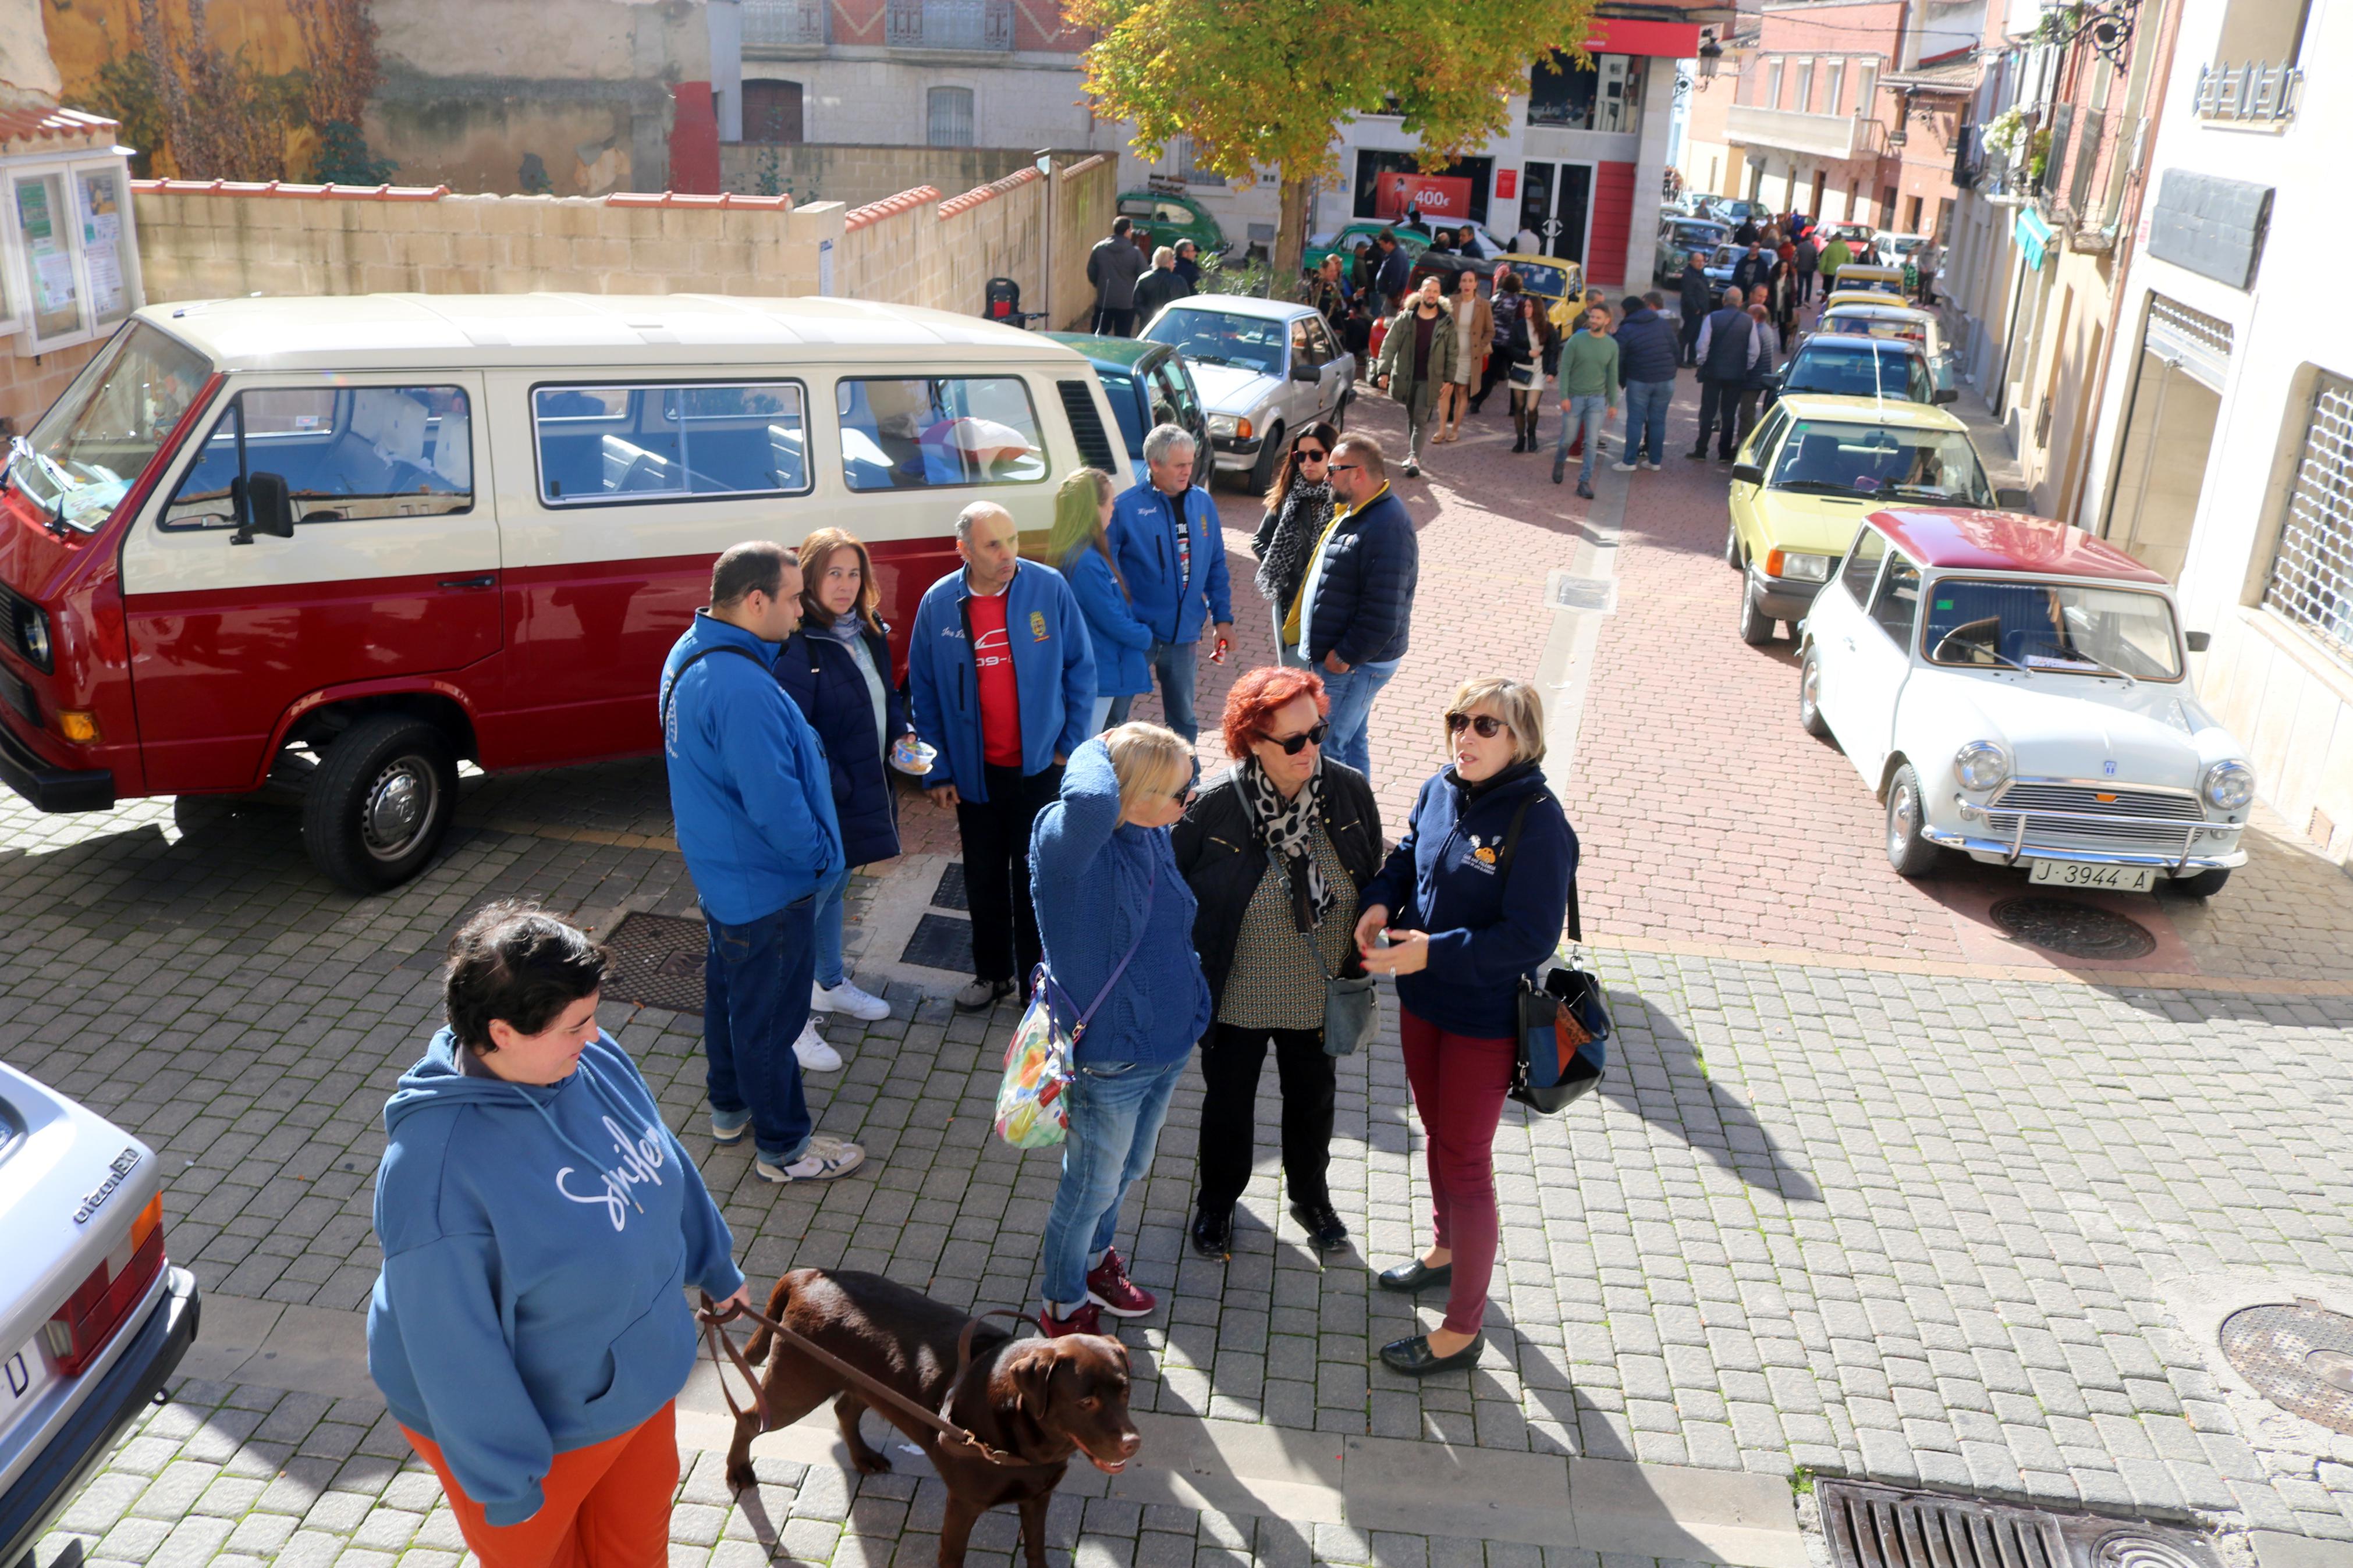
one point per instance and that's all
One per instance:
(1710, 54)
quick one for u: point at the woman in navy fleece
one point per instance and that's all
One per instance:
(1105, 883)
(538, 1222)
(1469, 906)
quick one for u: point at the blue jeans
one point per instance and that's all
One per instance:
(1586, 412)
(1116, 1111)
(1352, 712)
(1172, 662)
(755, 1001)
(1646, 419)
(827, 966)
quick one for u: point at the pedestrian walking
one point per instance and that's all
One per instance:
(1754, 268)
(1002, 678)
(1474, 333)
(1274, 851)
(1756, 385)
(1189, 264)
(1835, 256)
(1158, 288)
(1728, 349)
(1697, 297)
(1112, 267)
(1471, 900)
(1355, 609)
(1298, 510)
(1588, 394)
(1747, 233)
(837, 671)
(1171, 552)
(1118, 922)
(752, 798)
(1924, 261)
(1529, 376)
(1809, 260)
(1417, 360)
(539, 1224)
(1781, 298)
(1392, 269)
(1080, 549)
(1646, 369)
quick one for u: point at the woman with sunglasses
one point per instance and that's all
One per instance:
(1274, 852)
(1470, 902)
(1298, 510)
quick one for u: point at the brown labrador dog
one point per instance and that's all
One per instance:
(1042, 1400)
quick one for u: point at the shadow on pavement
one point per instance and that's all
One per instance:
(1656, 1072)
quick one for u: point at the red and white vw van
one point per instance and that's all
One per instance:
(337, 544)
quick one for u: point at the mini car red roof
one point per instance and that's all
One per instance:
(2006, 542)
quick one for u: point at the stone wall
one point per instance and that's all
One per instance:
(854, 174)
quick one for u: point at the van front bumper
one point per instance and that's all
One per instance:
(49, 786)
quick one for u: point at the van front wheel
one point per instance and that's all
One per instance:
(380, 802)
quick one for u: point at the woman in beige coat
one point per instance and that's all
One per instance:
(1474, 332)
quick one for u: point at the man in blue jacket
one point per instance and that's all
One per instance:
(1003, 683)
(753, 801)
(1357, 604)
(1172, 556)
(1647, 352)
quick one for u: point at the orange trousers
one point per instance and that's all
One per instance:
(606, 1506)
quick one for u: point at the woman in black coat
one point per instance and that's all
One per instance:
(837, 668)
(1274, 852)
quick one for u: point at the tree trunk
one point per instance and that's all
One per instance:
(1290, 233)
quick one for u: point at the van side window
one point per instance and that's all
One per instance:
(344, 452)
(925, 432)
(603, 445)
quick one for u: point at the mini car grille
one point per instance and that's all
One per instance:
(2094, 801)
(2058, 833)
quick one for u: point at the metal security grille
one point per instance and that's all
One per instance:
(1876, 1527)
(2200, 342)
(2312, 568)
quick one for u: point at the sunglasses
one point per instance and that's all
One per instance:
(1348, 468)
(1306, 455)
(1293, 744)
(1487, 724)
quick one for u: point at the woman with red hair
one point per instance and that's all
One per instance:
(1275, 852)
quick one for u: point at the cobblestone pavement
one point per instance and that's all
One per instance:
(1894, 1209)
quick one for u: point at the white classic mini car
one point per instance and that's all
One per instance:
(2016, 690)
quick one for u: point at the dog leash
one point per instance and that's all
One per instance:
(872, 1388)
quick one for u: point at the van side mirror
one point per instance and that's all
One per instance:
(2199, 641)
(267, 508)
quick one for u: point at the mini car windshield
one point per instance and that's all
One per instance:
(1882, 461)
(2063, 629)
(1877, 369)
(1212, 337)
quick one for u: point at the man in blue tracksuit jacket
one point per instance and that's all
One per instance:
(1171, 555)
(752, 796)
(1002, 679)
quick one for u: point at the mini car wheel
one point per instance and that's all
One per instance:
(380, 802)
(2204, 885)
(1809, 696)
(1908, 850)
(1270, 457)
(1755, 626)
(1732, 545)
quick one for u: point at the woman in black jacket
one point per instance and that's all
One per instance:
(1274, 852)
(1298, 510)
(837, 668)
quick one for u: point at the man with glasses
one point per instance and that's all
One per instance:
(1356, 606)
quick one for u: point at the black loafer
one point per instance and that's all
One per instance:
(1417, 1274)
(1213, 1233)
(1412, 1357)
(1323, 1225)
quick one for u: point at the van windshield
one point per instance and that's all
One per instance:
(92, 444)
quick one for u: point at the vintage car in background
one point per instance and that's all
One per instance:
(2018, 691)
(1166, 220)
(1835, 365)
(1679, 238)
(1264, 368)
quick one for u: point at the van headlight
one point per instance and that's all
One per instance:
(32, 635)
(2229, 786)
(1981, 765)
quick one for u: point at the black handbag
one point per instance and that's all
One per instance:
(1563, 1040)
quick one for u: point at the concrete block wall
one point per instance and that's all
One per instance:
(854, 173)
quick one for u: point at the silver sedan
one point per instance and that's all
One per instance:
(1265, 367)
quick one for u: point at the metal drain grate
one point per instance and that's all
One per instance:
(2077, 930)
(950, 893)
(1878, 1527)
(657, 961)
(2300, 1357)
(940, 941)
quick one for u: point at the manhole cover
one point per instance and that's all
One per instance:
(657, 961)
(2300, 1357)
(950, 893)
(2078, 931)
(1596, 593)
(2141, 1548)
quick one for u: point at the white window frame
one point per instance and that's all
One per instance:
(1773, 83)
(1804, 104)
(1833, 85)
(16, 258)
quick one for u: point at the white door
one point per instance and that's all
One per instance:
(1874, 674)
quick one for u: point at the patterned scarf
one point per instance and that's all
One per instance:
(1306, 508)
(1287, 828)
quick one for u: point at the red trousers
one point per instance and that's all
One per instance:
(1458, 1084)
(606, 1506)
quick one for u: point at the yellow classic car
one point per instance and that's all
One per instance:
(1556, 281)
(1810, 472)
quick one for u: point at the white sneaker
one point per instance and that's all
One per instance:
(1622, 467)
(815, 1054)
(824, 1159)
(847, 999)
(1646, 463)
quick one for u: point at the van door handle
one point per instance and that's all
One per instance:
(487, 580)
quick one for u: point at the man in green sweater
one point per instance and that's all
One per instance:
(1588, 394)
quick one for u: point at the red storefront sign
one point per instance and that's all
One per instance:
(1622, 35)
(1506, 182)
(1437, 195)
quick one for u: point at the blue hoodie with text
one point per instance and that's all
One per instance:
(536, 1240)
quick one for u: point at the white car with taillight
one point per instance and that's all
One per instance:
(2018, 691)
(93, 1318)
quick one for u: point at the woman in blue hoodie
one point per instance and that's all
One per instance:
(539, 1223)
(1080, 549)
(1116, 919)
(1470, 902)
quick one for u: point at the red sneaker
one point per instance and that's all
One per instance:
(1085, 1321)
(1109, 1287)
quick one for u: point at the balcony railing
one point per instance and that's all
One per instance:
(2255, 90)
(787, 22)
(980, 24)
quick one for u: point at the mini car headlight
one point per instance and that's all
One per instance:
(1221, 425)
(1981, 765)
(33, 632)
(2229, 786)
